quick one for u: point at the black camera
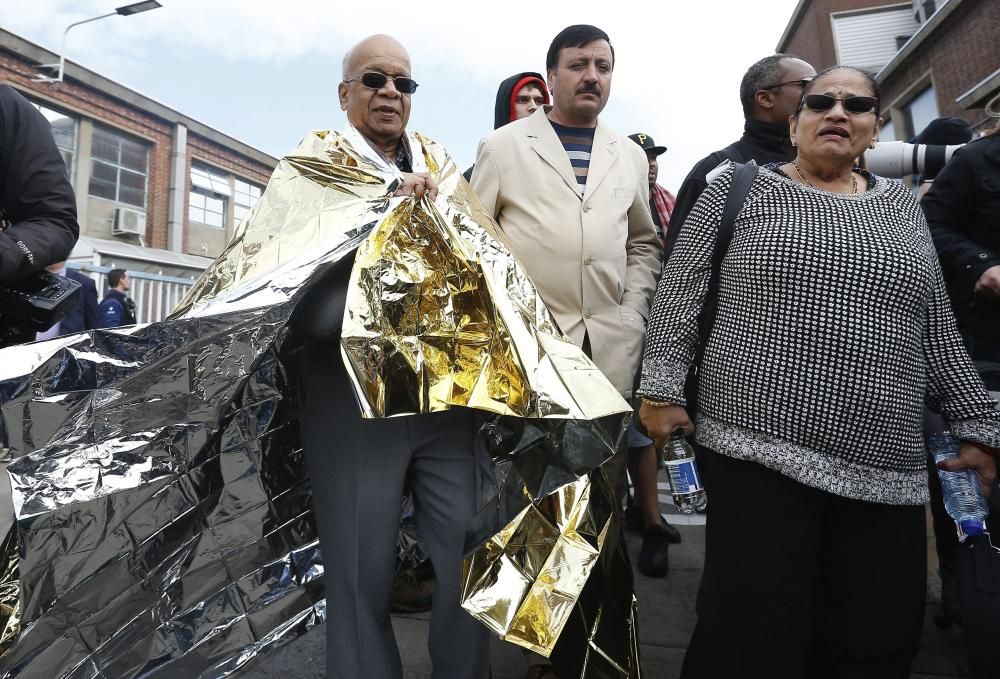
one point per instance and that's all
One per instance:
(34, 303)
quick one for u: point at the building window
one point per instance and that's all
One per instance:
(207, 210)
(64, 132)
(919, 112)
(210, 180)
(118, 168)
(888, 132)
(869, 38)
(208, 196)
(244, 198)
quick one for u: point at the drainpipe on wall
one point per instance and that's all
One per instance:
(178, 190)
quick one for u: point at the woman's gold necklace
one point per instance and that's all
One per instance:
(798, 170)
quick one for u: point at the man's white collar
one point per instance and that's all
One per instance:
(370, 152)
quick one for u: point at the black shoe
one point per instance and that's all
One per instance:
(635, 523)
(673, 535)
(653, 561)
(413, 590)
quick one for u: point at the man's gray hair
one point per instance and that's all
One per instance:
(343, 66)
(761, 75)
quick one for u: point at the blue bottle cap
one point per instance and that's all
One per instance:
(972, 528)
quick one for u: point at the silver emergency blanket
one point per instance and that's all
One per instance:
(163, 512)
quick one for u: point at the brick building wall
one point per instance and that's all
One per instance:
(104, 110)
(205, 152)
(812, 38)
(94, 107)
(959, 54)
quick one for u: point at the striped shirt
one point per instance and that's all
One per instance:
(578, 142)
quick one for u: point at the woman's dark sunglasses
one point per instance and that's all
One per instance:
(823, 102)
(376, 81)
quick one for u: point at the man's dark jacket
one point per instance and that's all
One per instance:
(83, 316)
(116, 309)
(761, 142)
(37, 205)
(963, 212)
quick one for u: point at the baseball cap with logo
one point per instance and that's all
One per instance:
(647, 143)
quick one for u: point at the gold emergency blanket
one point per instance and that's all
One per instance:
(561, 563)
(163, 513)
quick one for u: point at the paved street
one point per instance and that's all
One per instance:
(665, 623)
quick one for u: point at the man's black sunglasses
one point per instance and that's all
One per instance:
(801, 82)
(376, 81)
(823, 102)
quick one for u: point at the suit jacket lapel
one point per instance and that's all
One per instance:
(545, 142)
(602, 159)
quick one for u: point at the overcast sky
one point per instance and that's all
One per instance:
(266, 72)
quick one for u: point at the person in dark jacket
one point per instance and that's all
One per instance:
(769, 93)
(37, 206)
(962, 208)
(84, 314)
(517, 97)
(116, 307)
(940, 132)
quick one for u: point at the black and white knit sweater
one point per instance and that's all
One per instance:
(833, 329)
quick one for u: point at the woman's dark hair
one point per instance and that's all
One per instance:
(575, 36)
(869, 78)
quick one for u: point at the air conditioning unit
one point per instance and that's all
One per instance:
(129, 222)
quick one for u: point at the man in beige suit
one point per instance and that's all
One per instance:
(572, 197)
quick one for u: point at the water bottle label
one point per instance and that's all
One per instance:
(684, 477)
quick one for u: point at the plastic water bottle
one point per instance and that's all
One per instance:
(682, 473)
(963, 500)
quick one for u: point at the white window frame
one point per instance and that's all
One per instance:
(118, 167)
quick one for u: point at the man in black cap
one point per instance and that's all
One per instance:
(661, 201)
(643, 511)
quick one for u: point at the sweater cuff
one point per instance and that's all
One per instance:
(663, 381)
(984, 430)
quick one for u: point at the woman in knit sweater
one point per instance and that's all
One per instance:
(833, 329)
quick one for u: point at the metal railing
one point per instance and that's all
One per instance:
(155, 295)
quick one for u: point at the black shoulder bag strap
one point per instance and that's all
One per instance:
(742, 180)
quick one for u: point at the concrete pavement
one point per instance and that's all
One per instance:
(666, 619)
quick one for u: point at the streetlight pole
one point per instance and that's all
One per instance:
(125, 10)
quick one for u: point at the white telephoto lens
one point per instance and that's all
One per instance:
(899, 159)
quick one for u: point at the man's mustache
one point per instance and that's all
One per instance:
(589, 88)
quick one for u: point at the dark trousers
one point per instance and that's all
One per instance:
(963, 574)
(799, 583)
(358, 470)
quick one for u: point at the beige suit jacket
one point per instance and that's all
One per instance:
(594, 257)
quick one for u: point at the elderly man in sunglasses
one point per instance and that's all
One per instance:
(358, 467)
(375, 93)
